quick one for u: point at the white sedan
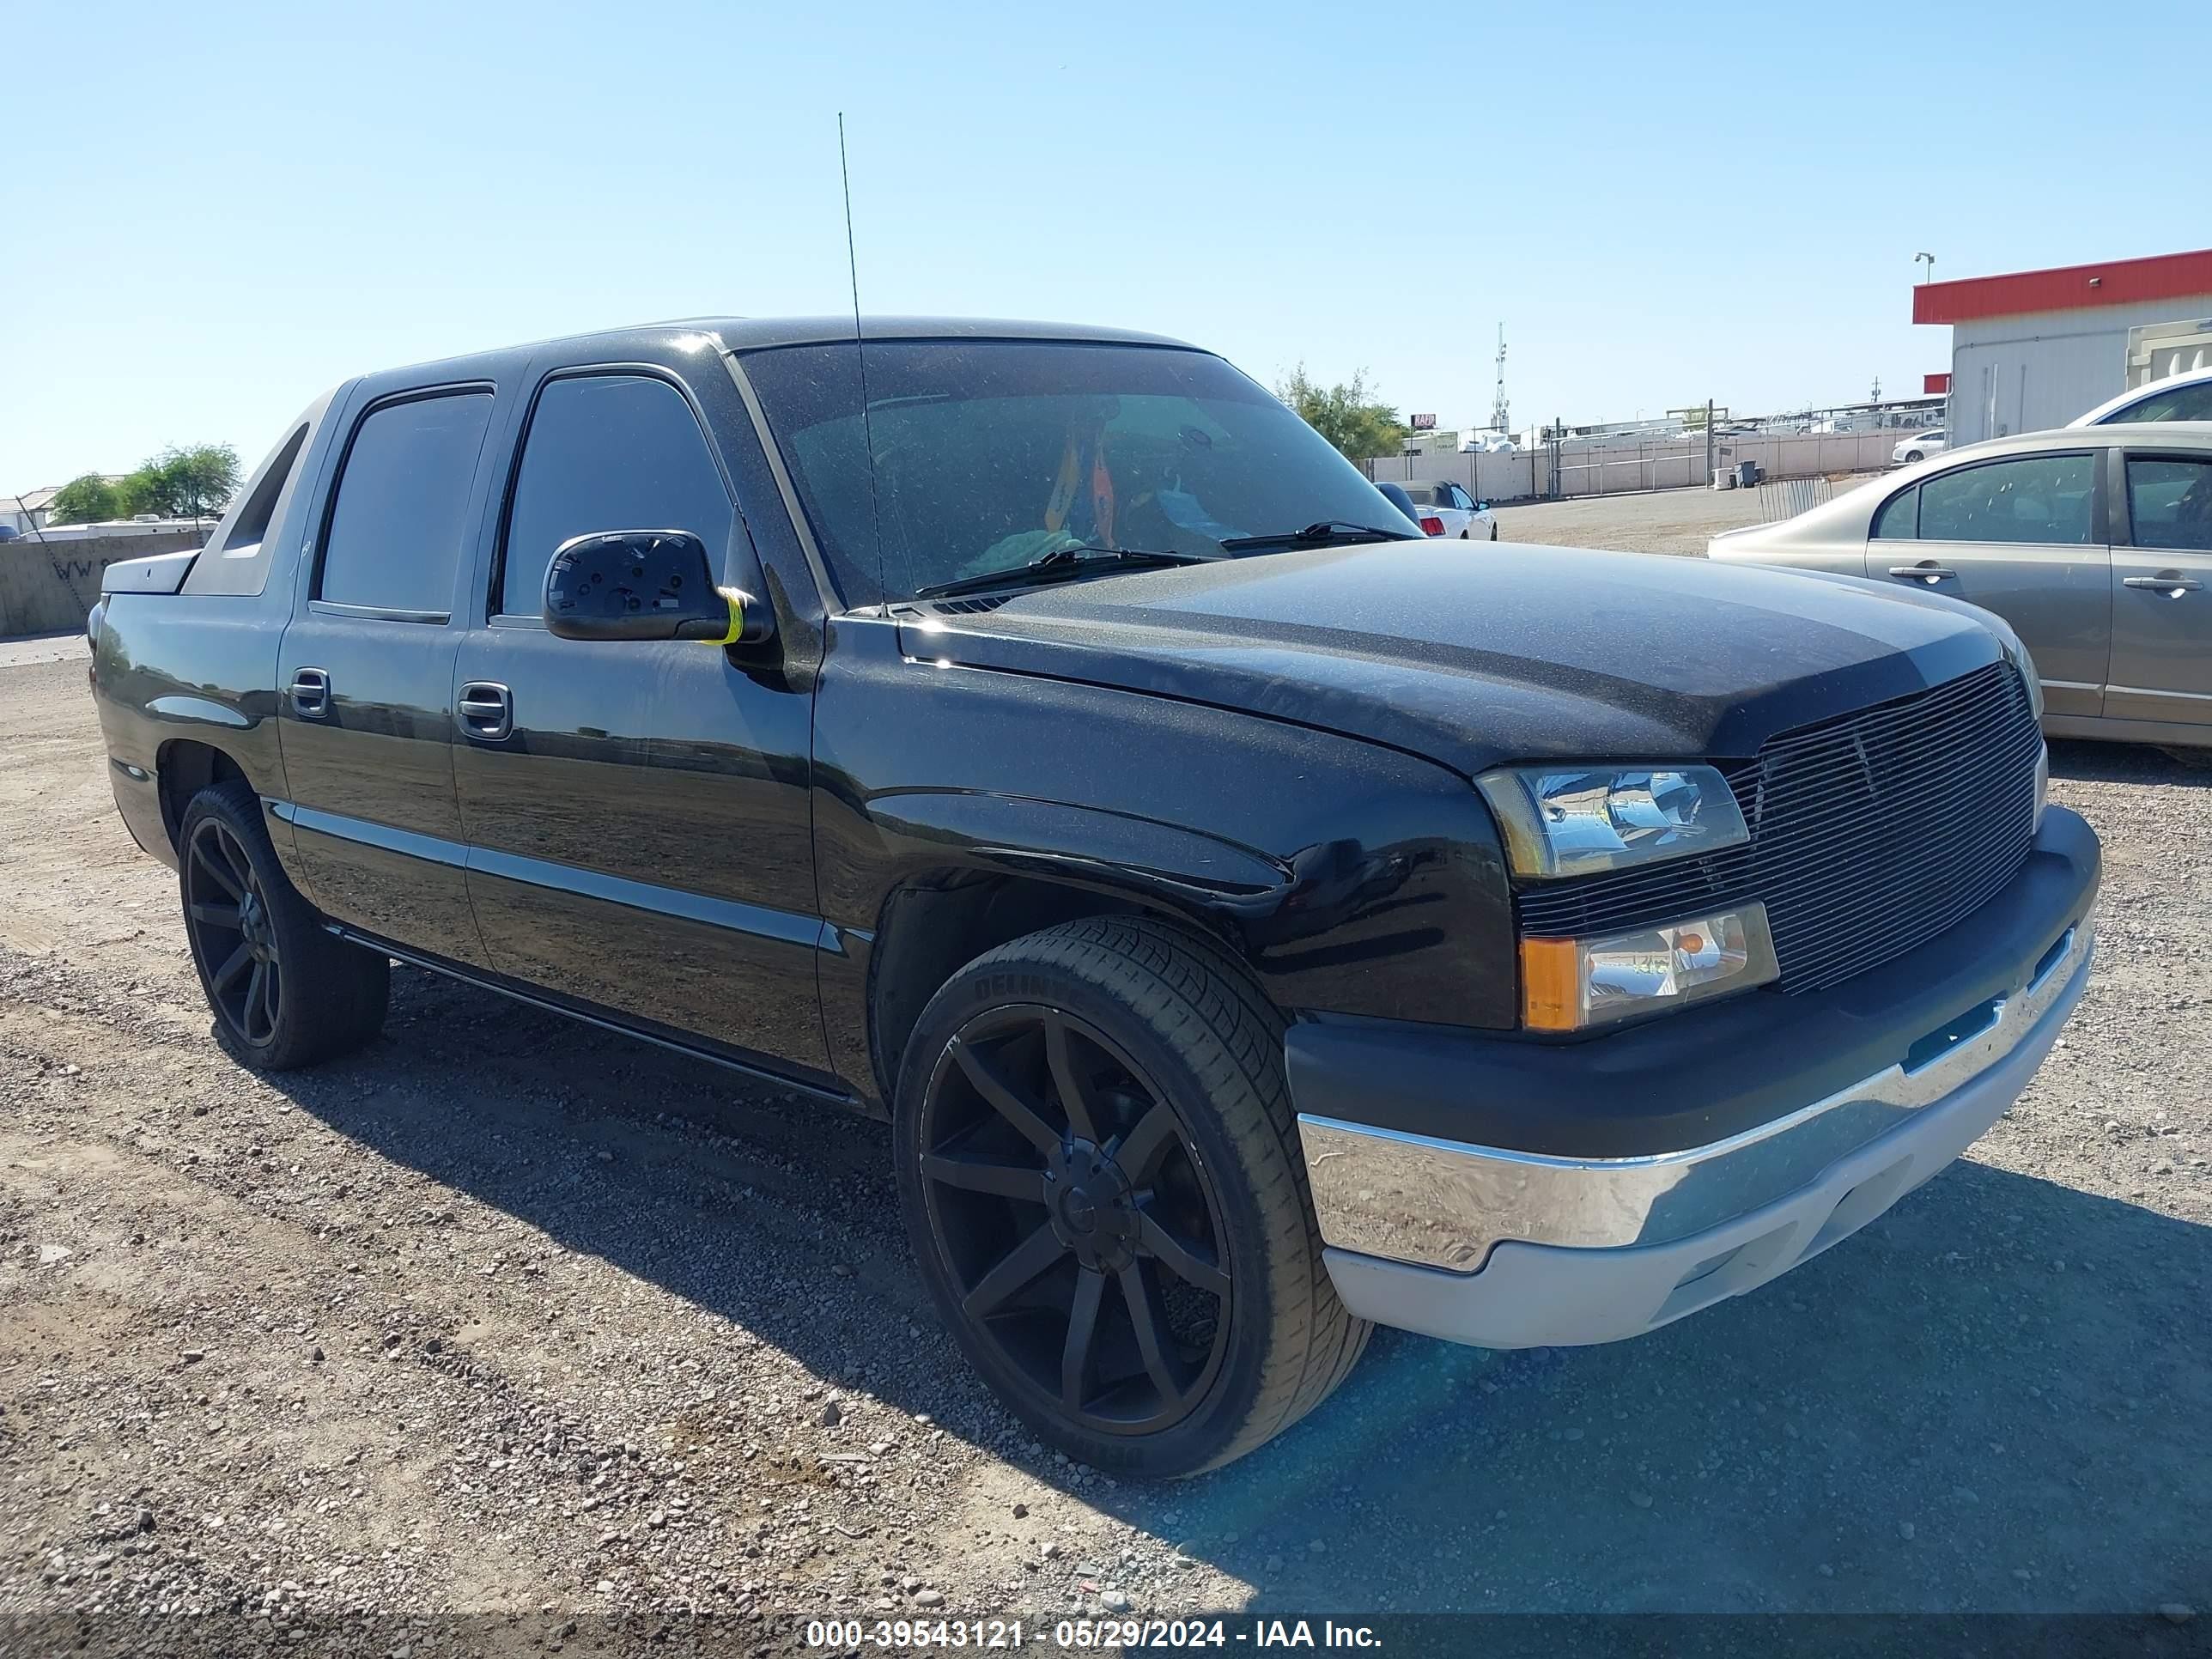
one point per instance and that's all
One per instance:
(1455, 512)
(1919, 447)
(2178, 397)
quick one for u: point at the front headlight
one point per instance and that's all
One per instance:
(1571, 984)
(1579, 820)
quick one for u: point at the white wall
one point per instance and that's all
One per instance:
(1587, 469)
(2029, 373)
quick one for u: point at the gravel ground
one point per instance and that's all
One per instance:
(1678, 521)
(509, 1315)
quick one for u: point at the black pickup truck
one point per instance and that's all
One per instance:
(1254, 923)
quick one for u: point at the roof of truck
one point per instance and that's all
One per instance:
(756, 333)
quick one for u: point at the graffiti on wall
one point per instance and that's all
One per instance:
(83, 576)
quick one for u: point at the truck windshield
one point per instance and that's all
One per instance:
(990, 454)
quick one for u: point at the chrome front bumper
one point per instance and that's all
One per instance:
(1507, 1249)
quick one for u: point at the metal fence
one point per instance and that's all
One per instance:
(1785, 498)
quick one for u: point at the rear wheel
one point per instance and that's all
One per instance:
(283, 990)
(1100, 1173)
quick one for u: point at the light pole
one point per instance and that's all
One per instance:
(1929, 260)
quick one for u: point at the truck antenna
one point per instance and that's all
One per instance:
(860, 352)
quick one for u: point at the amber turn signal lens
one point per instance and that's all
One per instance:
(1551, 985)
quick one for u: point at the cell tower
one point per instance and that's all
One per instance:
(1500, 416)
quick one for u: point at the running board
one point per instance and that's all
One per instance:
(605, 1022)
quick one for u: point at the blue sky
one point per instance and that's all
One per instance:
(214, 211)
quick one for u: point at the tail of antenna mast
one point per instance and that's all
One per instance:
(860, 352)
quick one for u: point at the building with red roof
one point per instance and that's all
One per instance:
(2035, 348)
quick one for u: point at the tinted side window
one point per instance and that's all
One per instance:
(2188, 402)
(2169, 504)
(2039, 498)
(398, 525)
(608, 451)
(1899, 518)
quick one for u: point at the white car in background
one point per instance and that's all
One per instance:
(1459, 513)
(2177, 397)
(1919, 447)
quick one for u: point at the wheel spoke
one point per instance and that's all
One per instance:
(1022, 1264)
(1194, 1264)
(233, 966)
(272, 989)
(253, 997)
(973, 1173)
(1141, 1147)
(1003, 1100)
(217, 870)
(216, 916)
(241, 867)
(1082, 1325)
(1066, 1081)
(1146, 1316)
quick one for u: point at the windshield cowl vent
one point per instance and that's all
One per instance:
(969, 607)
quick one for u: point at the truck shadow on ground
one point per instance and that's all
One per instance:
(1997, 1397)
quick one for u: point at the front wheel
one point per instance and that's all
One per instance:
(1100, 1173)
(1912, 455)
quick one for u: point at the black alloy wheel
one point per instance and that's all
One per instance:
(1086, 1243)
(233, 931)
(285, 990)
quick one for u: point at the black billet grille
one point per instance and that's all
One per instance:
(1871, 833)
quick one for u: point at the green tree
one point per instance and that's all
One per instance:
(1348, 414)
(86, 501)
(183, 483)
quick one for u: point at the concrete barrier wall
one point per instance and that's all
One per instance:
(1589, 468)
(51, 587)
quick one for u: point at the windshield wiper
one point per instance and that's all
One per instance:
(1059, 565)
(1319, 535)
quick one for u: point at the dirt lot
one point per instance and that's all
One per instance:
(510, 1315)
(1670, 521)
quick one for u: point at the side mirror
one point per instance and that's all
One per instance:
(1482, 507)
(646, 585)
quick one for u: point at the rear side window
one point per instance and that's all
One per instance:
(2188, 402)
(1899, 518)
(608, 451)
(236, 561)
(2039, 499)
(400, 518)
(2169, 504)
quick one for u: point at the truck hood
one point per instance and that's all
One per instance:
(1472, 657)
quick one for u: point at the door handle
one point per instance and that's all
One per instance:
(310, 693)
(1928, 571)
(2171, 583)
(485, 709)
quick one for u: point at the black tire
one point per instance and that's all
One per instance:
(1912, 455)
(284, 991)
(1148, 1018)
(1493, 532)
